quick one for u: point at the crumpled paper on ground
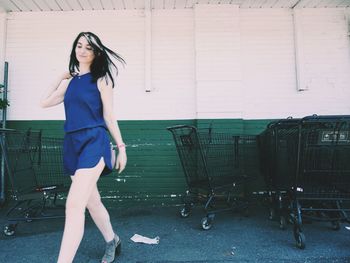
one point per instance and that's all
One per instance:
(146, 240)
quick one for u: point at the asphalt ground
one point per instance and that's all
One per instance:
(234, 237)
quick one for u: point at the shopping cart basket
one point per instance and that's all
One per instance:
(322, 181)
(214, 168)
(48, 163)
(278, 145)
(25, 155)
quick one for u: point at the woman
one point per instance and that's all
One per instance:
(88, 101)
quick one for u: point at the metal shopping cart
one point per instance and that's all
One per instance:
(322, 183)
(26, 155)
(278, 146)
(48, 163)
(214, 168)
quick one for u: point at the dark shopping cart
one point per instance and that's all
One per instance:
(278, 145)
(309, 161)
(322, 182)
(214, 168)
(28, 155)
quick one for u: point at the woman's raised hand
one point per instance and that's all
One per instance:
(66, 75)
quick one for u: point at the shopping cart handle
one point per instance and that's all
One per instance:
(180, 127)
(47, 188)
(316, 117)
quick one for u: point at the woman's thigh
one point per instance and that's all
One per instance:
(83, 183)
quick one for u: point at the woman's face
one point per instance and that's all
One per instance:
(84, 52)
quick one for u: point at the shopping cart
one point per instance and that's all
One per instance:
(278, 146)
(27, 154)
(321, 188)
(214, 168)
(48, 163)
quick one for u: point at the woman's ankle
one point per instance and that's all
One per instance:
(112, 238)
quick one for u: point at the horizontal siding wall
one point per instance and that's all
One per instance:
(212, 61)
(268, 63)
(38, 49)
(172, 67)
(212, 66)
(2, 44)
(44, 35)
(153, 174)
(218, 69)
(323, 42)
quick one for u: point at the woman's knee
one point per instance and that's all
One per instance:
(74, 205)
(76, 202)
(94, 204)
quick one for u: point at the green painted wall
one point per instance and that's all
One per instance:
(153, 174)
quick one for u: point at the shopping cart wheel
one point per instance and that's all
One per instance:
(206, 223)
(283, 222)
(335, 225)
(246, 212)
(299, 238)
(272, 213)
(28, 216)
(9, 230)
(184, 212)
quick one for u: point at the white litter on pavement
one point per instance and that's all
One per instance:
(146, 240)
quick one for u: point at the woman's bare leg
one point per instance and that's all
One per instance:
(100, 215)
(77, 199)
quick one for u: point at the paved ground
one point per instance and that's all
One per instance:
(233, 238)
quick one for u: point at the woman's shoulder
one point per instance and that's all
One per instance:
(104, 83)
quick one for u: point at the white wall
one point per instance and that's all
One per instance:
(2, 44)
(268, 63)
(218, 61)
(173, 79)
(323, 42)
(39, 44)
(207, 62)
(38, 49)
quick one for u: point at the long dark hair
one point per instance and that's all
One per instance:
(102, 65)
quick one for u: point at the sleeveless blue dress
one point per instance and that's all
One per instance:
(86, 137)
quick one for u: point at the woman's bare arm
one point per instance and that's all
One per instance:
(55, 94)
(106, 92)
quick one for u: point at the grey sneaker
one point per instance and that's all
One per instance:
(112, 250)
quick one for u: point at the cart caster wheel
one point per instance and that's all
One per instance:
(272, 214)
(290, 220)
(283, 223)
(335, 225)
(246, 212)
(206, 223)
(9, 230)
(184, 212)
(27, 216)
(300, 240)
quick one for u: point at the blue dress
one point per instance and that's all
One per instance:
(86, 137)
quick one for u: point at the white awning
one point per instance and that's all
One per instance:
(79, 5)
